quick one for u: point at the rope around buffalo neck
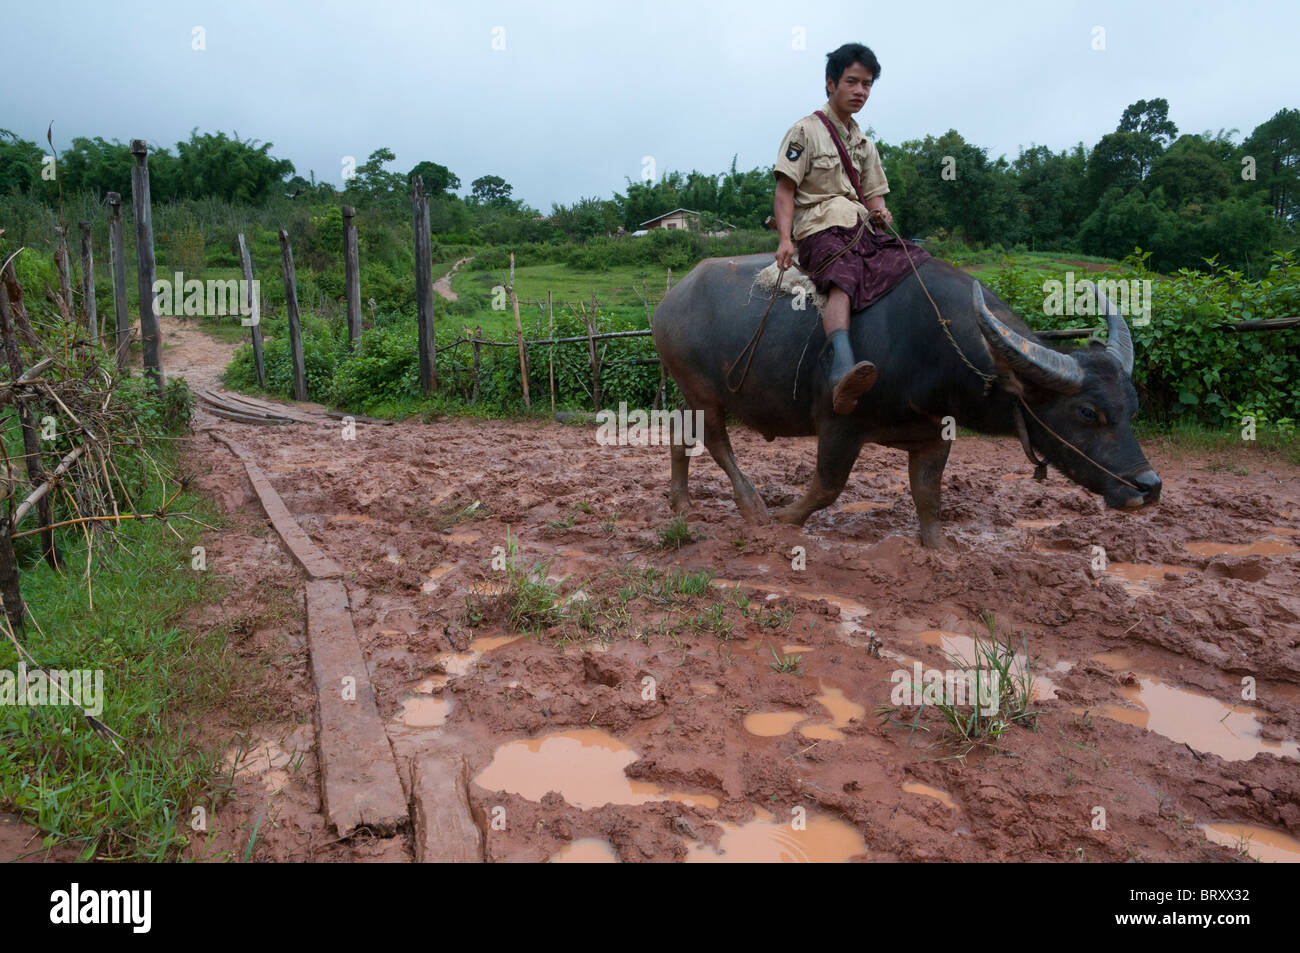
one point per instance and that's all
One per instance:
(989, 379)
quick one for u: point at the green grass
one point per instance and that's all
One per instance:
(785, 664)
(159, 680)
(676, 534)
(613, 287)
(1192, 437)
(532, 603)
(979, 723)
(983, 265)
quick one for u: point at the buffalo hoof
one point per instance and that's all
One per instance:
(754, 511)
(679, 503)
(935, 540)
(792, 514)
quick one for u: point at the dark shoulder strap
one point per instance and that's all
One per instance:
(844, 155)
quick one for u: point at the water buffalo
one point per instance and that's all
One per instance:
(1086, 398)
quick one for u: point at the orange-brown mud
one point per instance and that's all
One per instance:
(646, 726)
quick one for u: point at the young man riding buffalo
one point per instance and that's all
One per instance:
(830, 206)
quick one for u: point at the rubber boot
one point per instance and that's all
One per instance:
(849, 379)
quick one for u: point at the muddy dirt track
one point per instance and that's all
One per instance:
(652, 724)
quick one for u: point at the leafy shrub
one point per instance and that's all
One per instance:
(1187, 366)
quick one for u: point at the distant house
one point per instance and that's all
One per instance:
(679, 218)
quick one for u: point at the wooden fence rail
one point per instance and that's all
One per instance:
(1264, 324)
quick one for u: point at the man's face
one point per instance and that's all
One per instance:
(851, 92)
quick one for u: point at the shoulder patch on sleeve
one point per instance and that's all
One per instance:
(794, 150)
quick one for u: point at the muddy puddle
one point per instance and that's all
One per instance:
(1261, 547)
(773, 723)
(864, 506)
(425, 712)
(1139, 578)
(768, 839)
(1261, 843)
(924, 790)
(589, 850)
(585, 766)
(1187, 717)
(839, 709)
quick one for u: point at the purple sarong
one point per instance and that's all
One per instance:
(866, 272)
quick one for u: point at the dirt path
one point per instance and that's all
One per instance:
(276, 786)
(443, 284)
(648, 725)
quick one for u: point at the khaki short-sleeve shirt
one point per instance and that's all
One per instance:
(823, 195)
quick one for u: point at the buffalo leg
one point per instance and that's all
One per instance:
(679, 494)
(837, 451)
(925, 470)
(751, 505)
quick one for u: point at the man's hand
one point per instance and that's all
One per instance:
(881, 217)
(785, 253)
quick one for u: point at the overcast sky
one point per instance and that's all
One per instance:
(584, 90)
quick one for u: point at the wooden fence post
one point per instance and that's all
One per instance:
(9, 278)
(246, 263)
(149, 336)
(352, 275)
(88, 282)
(478, 349)
(11, 308)
(295, 328)
(591, 348)
(9, 588)
(550, 311)
(424, 289)
(519, 334)
(117, 262)
(61, 263)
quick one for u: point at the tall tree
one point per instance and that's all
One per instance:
(1275, 147)
(437, 178)
(492, 191)
(1151, 119)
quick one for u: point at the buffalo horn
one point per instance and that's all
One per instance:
(1029, 359)
(1119, 342)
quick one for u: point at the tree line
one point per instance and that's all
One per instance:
(1183, 198)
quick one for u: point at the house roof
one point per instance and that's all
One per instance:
(666, 214)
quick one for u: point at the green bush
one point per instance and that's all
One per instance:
(1187, 367)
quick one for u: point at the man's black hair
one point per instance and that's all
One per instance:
(848, 54)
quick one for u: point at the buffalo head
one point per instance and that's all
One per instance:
(1086, 399)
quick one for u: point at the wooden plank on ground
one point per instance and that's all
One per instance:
(315, 563)
(358, 773)
(442, 821)
(359, 782)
